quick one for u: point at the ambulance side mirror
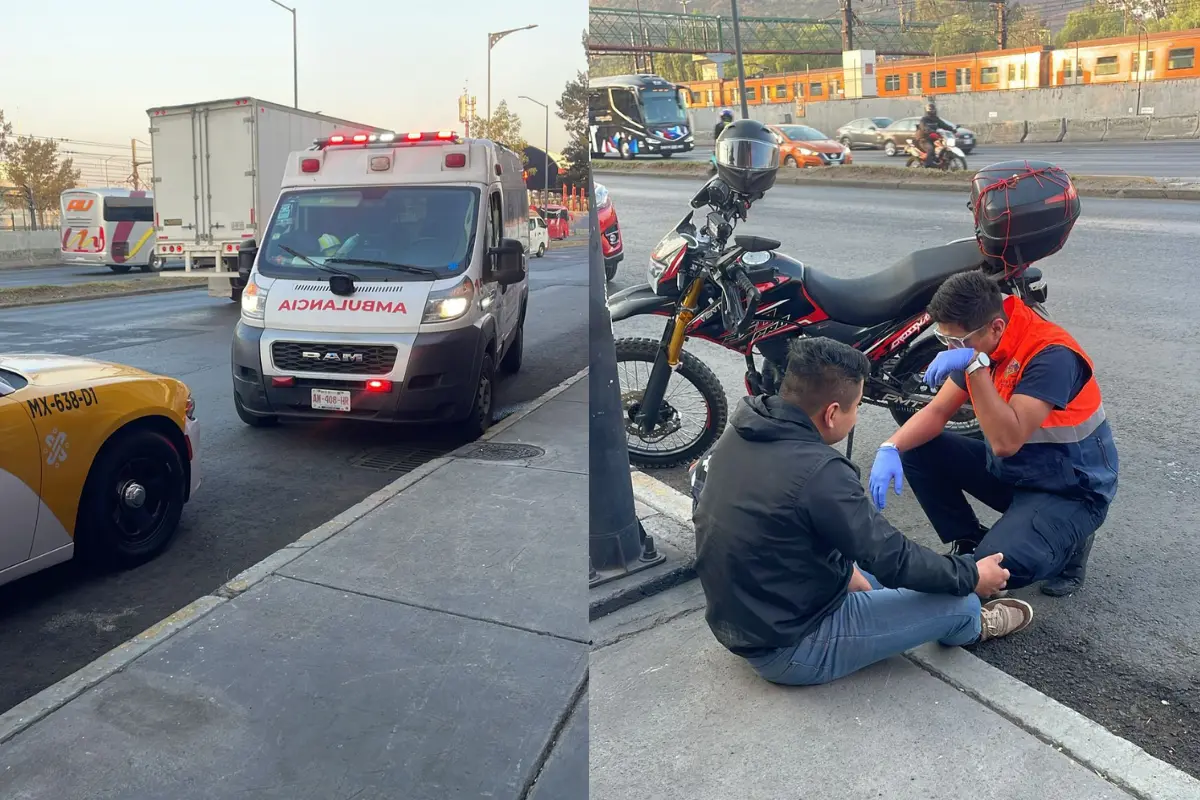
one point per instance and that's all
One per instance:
(246, 255)
(508, 262)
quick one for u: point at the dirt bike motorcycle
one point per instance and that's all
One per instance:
(947, 156)
(741, 293)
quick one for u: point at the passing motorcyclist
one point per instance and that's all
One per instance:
(930, 123)
(726, 119)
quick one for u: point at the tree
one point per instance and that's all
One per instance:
(573, 111)
(5, 132)
(34, 165)
(504, 127)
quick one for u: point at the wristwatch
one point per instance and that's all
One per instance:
(980, 361)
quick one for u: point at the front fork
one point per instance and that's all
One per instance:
(668, 358)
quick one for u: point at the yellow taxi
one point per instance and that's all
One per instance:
(94, 457)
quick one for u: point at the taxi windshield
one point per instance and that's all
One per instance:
(379, 233)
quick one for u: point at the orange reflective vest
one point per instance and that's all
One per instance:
(1027, 335)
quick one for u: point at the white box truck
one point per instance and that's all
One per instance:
(218, 167)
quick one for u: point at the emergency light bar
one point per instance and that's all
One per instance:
(386, 139)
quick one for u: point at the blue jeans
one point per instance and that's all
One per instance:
(870, 627)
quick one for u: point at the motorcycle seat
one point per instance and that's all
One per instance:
(894, 293)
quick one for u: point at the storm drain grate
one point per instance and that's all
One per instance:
(501, 451)
(397, 458)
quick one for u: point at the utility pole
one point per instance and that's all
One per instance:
(136, 178)
(741, 66)
(1001, 25)
(847, 25)
(466, 112)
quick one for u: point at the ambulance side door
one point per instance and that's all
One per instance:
(20, 473)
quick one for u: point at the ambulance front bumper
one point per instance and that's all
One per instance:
(433, 378)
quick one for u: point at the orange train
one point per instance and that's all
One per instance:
(1146, 57)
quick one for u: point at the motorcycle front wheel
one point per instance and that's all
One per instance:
(910, 373)
(673, 442)
(957, 164)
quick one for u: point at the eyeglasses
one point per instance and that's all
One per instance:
(956, 342)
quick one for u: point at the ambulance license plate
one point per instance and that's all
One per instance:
(330, 400)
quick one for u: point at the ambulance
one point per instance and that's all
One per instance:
(391, 283)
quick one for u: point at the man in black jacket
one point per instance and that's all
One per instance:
(782, 517)
(930, 123)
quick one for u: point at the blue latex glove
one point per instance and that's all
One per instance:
(947, 362)
(887, 468)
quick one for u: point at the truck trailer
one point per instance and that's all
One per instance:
(218, 167)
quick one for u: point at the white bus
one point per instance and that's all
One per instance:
(109, 227)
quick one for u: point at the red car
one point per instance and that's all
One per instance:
(610, 233)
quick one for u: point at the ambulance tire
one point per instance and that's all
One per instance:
(511, 363)
(113, 535)
(120, 269)
(480, 418)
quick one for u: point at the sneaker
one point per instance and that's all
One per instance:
(1002, 617)
(966, 547)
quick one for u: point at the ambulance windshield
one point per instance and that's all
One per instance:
(429, 227)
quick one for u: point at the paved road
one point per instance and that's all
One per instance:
(1124, 651)
(1178, 159)
(64, 275)
(262, 488)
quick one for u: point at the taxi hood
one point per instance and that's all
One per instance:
(308, 305)
(52, 370)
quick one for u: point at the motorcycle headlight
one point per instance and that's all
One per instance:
(254, 301)
(950, 141)
(449, 304)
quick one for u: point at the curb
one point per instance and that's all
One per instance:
(927, 186)
(50, 301)
(52, 698)
(1117, 760)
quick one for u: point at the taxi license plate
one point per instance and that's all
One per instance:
(330, 400)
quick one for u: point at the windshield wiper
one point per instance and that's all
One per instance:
(367, 262)
(323, 267)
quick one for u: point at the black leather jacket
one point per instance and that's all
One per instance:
(930, 123)
(780, 522)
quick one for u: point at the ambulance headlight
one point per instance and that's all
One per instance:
(254, 301)
(450, 304)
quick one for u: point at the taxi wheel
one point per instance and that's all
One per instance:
(133, 499)
(480, 418)
(791, 161)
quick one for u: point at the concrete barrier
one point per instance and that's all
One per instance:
(1127, 129)
(18, 247)
(1174, 128)
(1045, 131)
(1086, 130)
(999, 132)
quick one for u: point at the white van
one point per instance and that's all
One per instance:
(111, 228)
(539, 235)
(391, 283)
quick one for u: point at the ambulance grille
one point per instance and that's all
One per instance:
(323, 288)
(340, 359)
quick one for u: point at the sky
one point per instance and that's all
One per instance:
(87, 70)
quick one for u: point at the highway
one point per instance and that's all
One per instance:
(1125, 650)
(1166, 159)
(262, 489)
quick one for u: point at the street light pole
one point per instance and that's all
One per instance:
(546, 152)
(492, 39)
(741, 68)
(295, 56)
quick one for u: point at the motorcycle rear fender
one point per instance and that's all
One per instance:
(637, 301)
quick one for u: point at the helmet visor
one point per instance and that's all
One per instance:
(747, 154)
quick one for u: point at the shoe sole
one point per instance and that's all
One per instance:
(1061, 590)
(1013, 602)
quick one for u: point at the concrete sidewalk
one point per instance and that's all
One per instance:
(429, 643)
(674, 715)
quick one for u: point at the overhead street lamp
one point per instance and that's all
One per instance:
(295, 58)
(492, 39)
(546, 152)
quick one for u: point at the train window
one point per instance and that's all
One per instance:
(1107, 65)
(962, 76)
(914, 81)
(989, 75)
(1181, 58)
(815, 90)
(781, 91)
(891, 83)
(693, 98)
(751, 93)
(937, 79)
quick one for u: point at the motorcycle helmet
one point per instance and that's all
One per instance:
(727, 115)
(747, 154)
(930, 107)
